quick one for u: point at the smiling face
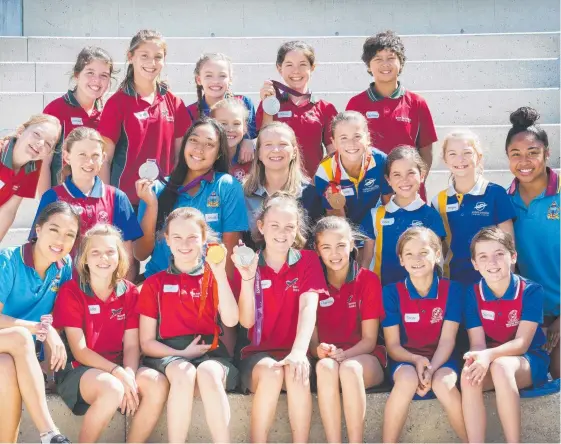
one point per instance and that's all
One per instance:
(493, 261)
(279, 228)
(94, 80)
(215, 78)
(55, 238)
(296, 70)
(276, 149)
(85, 158)
(527, 157)
(147, 61)
(185, 239)
(233, 121)
(102, 257)
(405, 178)
(461, 159)
(36, 142)
(201, 149)
(385, 66)
(418, 257)
(350, 140)
(334, 248)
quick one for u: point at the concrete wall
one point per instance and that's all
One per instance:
(288, 17)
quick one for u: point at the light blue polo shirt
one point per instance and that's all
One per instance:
(221, 201)
(22, 291)
(537, 240)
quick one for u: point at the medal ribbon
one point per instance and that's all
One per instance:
(259, 305)
(208, 280)
(335, 183)
(207, 176)
(281, 87)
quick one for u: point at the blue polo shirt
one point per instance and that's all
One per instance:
(22, 291)
(103, 199)
(537, 240)
(361, 193)
(464, 215)
(386, 223)
(221, 201)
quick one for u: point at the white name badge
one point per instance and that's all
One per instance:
(284, 114)
(388, 221)
(211, 217)
(142, 115)
(412, 317)
(265, 284)
(2, 184)
(487, 314)
(348, 191)
(452, 207)
(76, 121)
(94, 309)
(372, 114)
(171, 288)
(327, 302)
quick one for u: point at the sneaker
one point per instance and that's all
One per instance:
(54, 438)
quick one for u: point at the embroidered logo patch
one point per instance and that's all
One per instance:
(437, 315)
(350, 302)
(117, 313)
(513, 320)
(553, 211)
(103, 217)
(213, 200)
(292, 284)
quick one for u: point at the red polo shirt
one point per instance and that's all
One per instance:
(71, 115)
(23, 183)
(103, 323)
(142, 131)
(281, 297)
(311, 123)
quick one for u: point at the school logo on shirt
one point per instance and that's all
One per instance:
(103, 217)
(403, 119)
(195, 294)
(117, 313)
(417, 223)
(350, 302)
(292, 284)
(513, 320)
(553, 211)
(54, 284)
(478, 209)
(167, 116)
(79, 209)
(312, 115)
(370, 185)
(437, 315)
(213, 200)
(15, 188)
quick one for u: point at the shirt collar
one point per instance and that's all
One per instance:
(120, 289)
(414, 294)
(478, 189)
(196, 271)
(293, 257)
(553, 184)
(510, 294)
(7, 157)
(375, 97)
(96, 192)
(344, 176)
(262, 192)
(392, 207)
(129, 90)
(70, 99)
(27, 256)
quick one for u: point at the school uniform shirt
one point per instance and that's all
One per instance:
(23, 183)
(420, 319)
(71, 115)
(403, 118)
(362, 193)
(103, 322)
(341, 312)
(301, 273)
(311, 122)
(142, 131)
(23, 292)
(174, 298)
(464, 215)
(105, 204)
(386, 223)
(536, 229)
(193, 111)
(220, 200)
(239, 170)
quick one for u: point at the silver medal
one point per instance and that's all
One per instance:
(149, 170)
(271, 105)
(246, 255)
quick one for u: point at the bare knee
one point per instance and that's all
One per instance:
(327, 368)
(210, 372)
(501, 370)
(181, 373)
(266, 372)
(444, 380)
(406, 379)
(350, 369)
(21, 341)
(152, 384)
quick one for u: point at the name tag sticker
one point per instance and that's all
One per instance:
(265, 284)
(142, 115)
(327, 302)
(487, 314)
(412, 317)
(348, 191)
(372, 114)
(171, 288)
(76, 121)
(284, 114)
(211, 217)
(452, 207)
(388, 221)
(94, 309)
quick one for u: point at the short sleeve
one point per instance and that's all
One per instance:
(69, 309)
(234, 214)
(251, 124)
(311, 202)
(182, 119)
(158, 188)
(328, 114)
(504, 208)
(312, 277)
(436, 223)
(532, 303)
(367, 225)
(471, 315)
(28, 187)
(147, 304)
(131, 315)
(7, 276)
(124, 218)
(259, 117)
(454, 304)
(427, 131)
(391, 306)
(371, 303)
(381, 160)
(111, 119)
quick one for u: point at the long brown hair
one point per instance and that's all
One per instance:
(210, 56)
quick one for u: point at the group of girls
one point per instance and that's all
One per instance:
(307, 302)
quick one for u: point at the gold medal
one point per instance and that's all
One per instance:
(336, 200)
(215, 253)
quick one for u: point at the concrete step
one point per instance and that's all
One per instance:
(264, 49)
(287, 18)
(336, 76)
(426, 422)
